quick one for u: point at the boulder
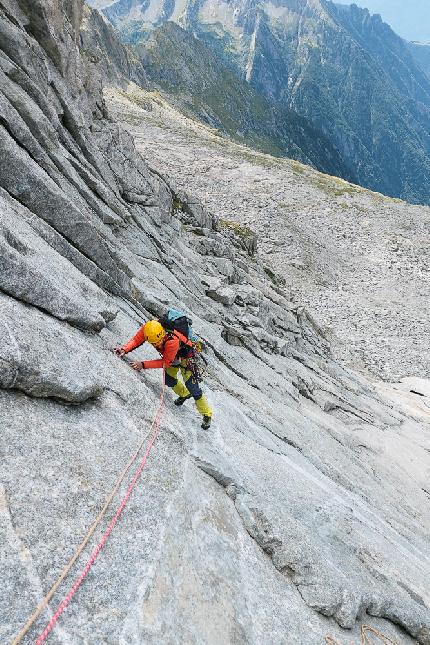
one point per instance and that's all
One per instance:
(224, 295)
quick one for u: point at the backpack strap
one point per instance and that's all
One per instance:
(184, 340)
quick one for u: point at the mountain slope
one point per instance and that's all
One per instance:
(352, 77)
(297, 515)
(114, 62)
(342, 69)
(193, 77)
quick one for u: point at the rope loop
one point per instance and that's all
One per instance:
(365, 639)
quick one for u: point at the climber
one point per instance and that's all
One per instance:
(175, 350)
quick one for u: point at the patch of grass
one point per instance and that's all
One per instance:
(334, 186)
(298, 167)
(261, 160)
(238, 229)
(220, 142)
(141, 99)
(287, 205)
(177, 205)
(337, 187)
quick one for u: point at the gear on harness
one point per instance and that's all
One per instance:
(197, 364)
(176, 321)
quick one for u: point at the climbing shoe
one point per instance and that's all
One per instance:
(206, 423)
(181, 399)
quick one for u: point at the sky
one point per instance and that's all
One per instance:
(409, 18)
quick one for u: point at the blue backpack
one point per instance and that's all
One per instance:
(175, 320)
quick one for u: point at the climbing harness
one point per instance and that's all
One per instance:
(366, 630)
(151, 436)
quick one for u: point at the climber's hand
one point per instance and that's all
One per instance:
(137, 365)
(119, 351)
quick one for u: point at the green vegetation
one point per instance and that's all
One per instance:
(221, 43)
(260, 159)
(335, 187)
(351, 116)
(133, 32)
(209, 87)
(287, 205)
(142, 99)
(298, 167)
(177, 205)
(238, 229)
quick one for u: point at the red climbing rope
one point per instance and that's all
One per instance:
(156, 424)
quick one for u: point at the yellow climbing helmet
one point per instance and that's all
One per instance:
(154, 332)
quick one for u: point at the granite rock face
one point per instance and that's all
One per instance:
(357, 260)
(297, 514)
(101, 48)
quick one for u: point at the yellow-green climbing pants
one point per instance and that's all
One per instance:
(189, 386)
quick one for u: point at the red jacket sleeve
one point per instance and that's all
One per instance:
(171, 348)
(136, 341)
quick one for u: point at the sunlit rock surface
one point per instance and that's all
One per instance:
(304, 507)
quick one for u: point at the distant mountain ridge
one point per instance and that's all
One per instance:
(342, 69)
(409, 18)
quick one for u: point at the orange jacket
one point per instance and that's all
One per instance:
(168, 350)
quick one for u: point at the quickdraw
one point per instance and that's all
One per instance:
(197, 365)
